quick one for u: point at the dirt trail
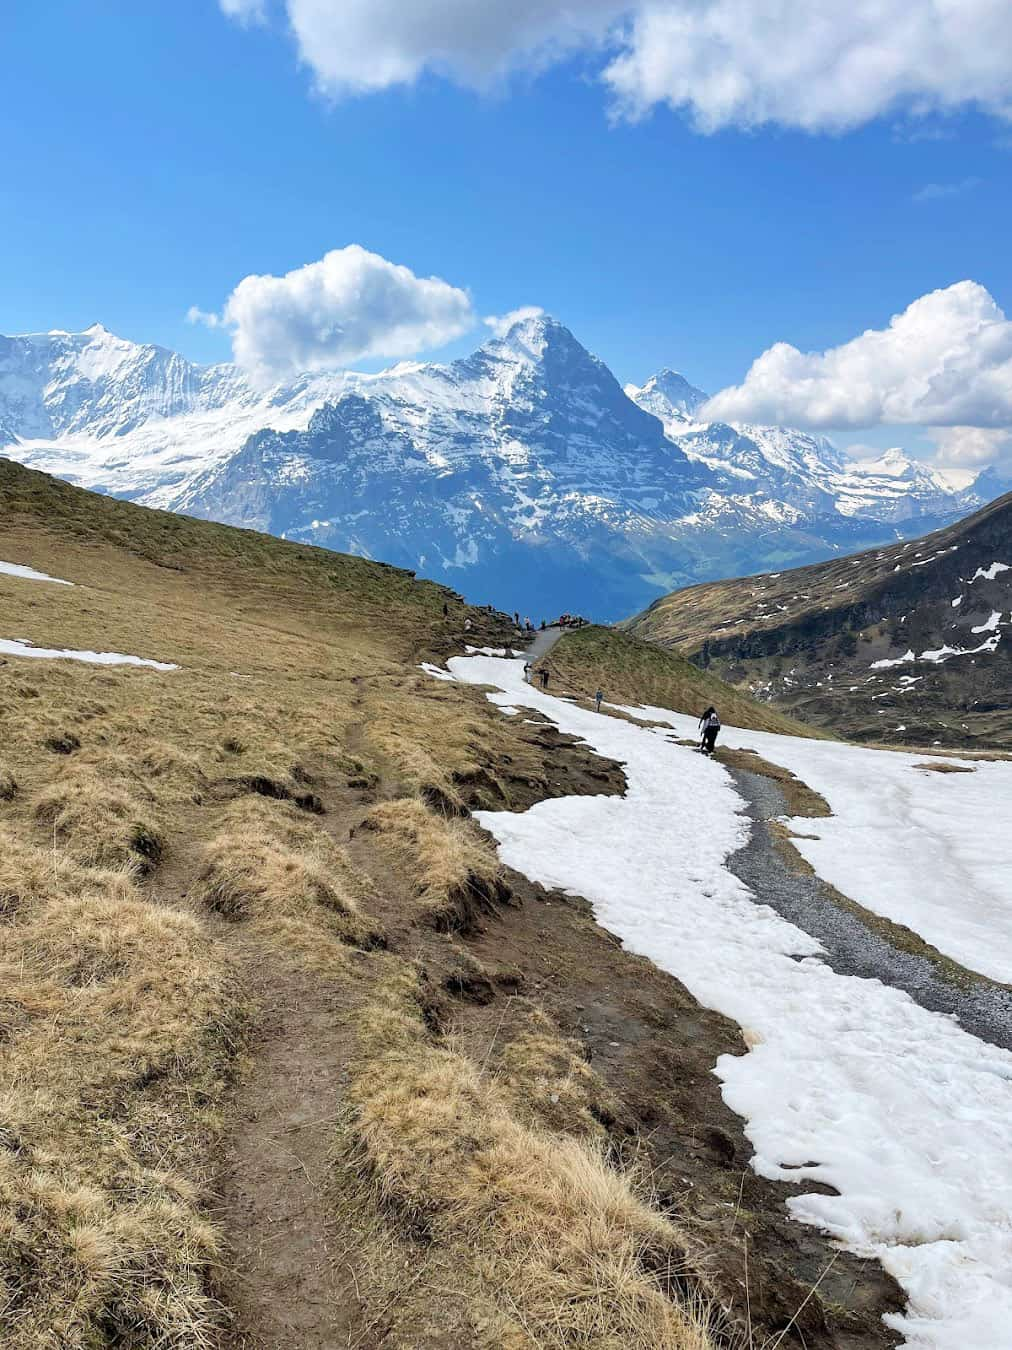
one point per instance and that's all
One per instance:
(287, 1281)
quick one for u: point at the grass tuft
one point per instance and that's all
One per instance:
(569, 1251)
(457, 873)
(270, 866)
(99, 821)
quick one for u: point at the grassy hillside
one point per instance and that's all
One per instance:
(286, 1057)
(906, 643)
(632, 671)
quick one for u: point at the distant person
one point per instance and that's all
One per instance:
(446, 610)
(468, 625)
(597, 700)
(542, 625)
(527, 672)
(516, 618)
(709, 725)
(544, 679)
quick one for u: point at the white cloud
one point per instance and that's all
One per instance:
(197, 315)
(814, 64)
(500, 324)
(932, 192)
(246, 11)
(359, 46)
(972, 447)
(820, 65)
(350, 305)
(945, 361)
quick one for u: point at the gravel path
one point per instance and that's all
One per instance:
(851, 947)
(544, 641)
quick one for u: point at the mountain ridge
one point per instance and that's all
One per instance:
(524, 463)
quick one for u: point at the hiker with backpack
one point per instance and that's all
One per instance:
(709, 725)
(597, 699)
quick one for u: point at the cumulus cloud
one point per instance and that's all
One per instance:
(360, 46)
(945, 361)
(500, 324)
(350, 305)
(818, 65)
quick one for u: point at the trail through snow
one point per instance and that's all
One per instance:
(921, 848)
(847, 1080)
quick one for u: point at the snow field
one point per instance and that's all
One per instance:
(846, 1080)
(921, 848)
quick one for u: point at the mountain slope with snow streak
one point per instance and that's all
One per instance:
(846, 1081)
(910, 643)
(524, 466)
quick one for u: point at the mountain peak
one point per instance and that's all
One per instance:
(530, 331)
(676, 389)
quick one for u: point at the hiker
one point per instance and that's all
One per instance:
(467, 625)
(597, 700)
(527, 672)
(544, 678)
(516, 618)
(446, 610)
(709, 725)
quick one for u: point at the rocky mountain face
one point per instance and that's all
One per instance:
(911, 643)
(523, 474)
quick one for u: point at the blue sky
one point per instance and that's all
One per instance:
(156, 155)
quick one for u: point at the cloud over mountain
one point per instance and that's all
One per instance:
(350, 305)
(812, 64)
(945, 361)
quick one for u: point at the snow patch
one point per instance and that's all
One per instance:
(30, 574)
(24, 647)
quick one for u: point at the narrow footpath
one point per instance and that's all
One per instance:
(852, 948)
(544, 640)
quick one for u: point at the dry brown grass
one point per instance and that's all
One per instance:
(98, 820)
(445, 743)
(272, 867)
(550, 1084)
(632, 671)
(457, 872)
(939, 766)
(118, 1022)
(564, 1246)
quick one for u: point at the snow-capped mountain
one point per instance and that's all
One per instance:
(670, 397)
(522, 474)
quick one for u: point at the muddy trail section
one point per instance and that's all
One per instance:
(851, 946)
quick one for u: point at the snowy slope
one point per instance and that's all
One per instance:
(846, 1081)
(522, 467)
